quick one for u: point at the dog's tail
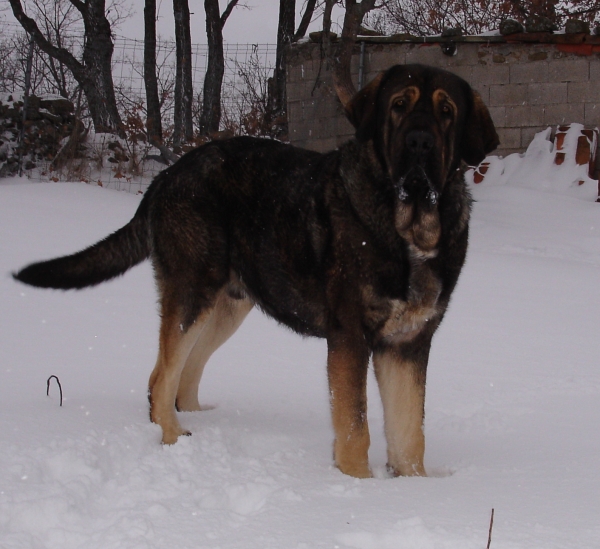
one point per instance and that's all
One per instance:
(102, 261)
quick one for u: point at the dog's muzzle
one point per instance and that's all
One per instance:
(415, 184)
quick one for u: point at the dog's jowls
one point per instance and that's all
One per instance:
(361, 246)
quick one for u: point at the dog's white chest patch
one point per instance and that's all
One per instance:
(407, 318)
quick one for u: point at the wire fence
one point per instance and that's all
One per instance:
(239, 58)
(247, 70)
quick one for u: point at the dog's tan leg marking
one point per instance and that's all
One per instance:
(175, 346)
(403, 397)
(347, 372)
(225, 319)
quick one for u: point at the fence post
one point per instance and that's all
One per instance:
(25, 102)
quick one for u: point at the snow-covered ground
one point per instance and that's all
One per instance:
(512, 412)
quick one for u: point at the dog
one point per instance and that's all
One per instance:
(361, 246)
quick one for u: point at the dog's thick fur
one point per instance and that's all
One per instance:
(362, 246)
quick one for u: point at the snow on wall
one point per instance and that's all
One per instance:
(558, 162)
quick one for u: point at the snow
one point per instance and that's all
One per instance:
(548, 165)
(512, 405)
(8, 98)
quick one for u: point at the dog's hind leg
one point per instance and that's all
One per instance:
(402, 388)
(191, 263)
(226, 317)
(176, 341)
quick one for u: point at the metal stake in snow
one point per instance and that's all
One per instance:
(59, 387)
(490, 532)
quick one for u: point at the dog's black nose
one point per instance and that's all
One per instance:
(419, 142)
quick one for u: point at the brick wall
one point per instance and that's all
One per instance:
(529, 82)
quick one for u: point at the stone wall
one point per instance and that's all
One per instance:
(528, 81)
(49, 119)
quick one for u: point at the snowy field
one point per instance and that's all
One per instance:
(512, 412)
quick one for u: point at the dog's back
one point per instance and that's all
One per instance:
(202, 179)
(234, 209)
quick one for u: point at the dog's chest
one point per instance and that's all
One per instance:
(396, 320)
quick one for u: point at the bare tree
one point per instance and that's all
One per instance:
(558, 11)
(14, 52)
(286, 36)
(93, 73)
(133, 104)
(183, 129)
(248, 111)
(427, 17)
(339, 55)
(153, 118)
(58, 21)
(10, 69)
(60, 24)
(210, 117)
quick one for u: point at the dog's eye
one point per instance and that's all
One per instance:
(399, 105)
(446, 110)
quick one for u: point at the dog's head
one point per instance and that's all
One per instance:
(423, 123)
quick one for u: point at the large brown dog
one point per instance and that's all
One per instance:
(362, 246)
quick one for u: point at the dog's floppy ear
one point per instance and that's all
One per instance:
(479, 137)
(360, 110)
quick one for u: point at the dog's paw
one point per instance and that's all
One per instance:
(171, 438)
(406, 470)
(356, 470)
(189, 403)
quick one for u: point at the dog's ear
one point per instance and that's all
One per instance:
(479, 137)
(361, 109)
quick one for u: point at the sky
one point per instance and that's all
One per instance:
(256, 23)
(251, 22)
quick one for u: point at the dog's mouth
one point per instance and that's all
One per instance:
(416, 217)
(416, 186)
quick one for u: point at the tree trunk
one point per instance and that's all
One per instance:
(285, 35)
(277, 100)
(153, 119)
(94, 75)
(97, 58)
(341, 57)
(325, 36)
(306, 19)
(210, 117)
(183, 124)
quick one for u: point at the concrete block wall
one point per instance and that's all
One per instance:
(528, 84)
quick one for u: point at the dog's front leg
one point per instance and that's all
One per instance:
(347, 364)
(402, 387)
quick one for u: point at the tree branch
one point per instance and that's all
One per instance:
(306, 19)
(33, 30)
(326, 38)
(232, 4)
(79, 6)
(342, 57)
(569, 13)
(166, 153)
